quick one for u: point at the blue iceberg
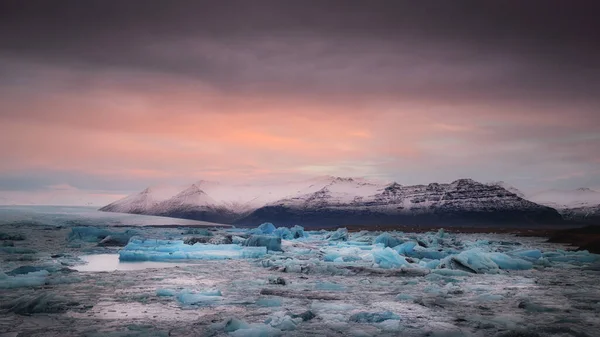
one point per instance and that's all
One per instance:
(167, 250)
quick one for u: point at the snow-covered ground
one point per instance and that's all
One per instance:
(226, 282)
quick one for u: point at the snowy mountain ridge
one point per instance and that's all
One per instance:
(334, 201)
(582, 204)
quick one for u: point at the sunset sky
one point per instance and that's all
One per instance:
(102, 98)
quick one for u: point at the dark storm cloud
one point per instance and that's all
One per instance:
(446, 49)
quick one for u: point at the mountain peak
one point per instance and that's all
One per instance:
(586, 190)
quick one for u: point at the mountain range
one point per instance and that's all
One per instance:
(334, 201)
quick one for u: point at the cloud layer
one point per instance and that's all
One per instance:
(114, 96)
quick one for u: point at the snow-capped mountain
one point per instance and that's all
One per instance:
(582, 204)
(460, 202)
(509, 188)
(144, 202)
(581, 197)
(340, 201)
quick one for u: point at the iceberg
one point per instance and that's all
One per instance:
(341, 234)
(270, 242)
(387, 240)
(406, 249)
(265, 228)
(477, 260)
(298, 232)
(388, 258)
(167, 250)
(508, 263)
(94, 234)
(283, 232)
(166, 292)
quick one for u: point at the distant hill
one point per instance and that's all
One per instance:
(334, 201)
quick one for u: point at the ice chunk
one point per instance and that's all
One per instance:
(427, 253)
(298, 232)
(94, 234)
(265, 228)
(166, 250)
(199, 231)
(508, 263)
(404, 297)
(430, 264)
(257, 330)
(341, 234)
(188, 297)
(33, 279)
(282, 321)
(582, 256)
(283, 232)
(166, 292)
(388, 258)
(238, 240)
(269, 302)
(529, 254)
(387, 240)
(373, 317)
(234, 324)
(270, 242)
(390, 325)
(406, 249)
(330, 286)
(477, 260)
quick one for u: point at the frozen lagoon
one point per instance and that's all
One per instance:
(322, 284)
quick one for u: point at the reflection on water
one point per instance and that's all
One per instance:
(110, 262)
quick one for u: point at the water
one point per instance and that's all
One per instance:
(105, 297)
(110, 262)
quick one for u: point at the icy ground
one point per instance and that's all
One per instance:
(287, 282)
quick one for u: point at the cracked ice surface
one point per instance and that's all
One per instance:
(325, 283)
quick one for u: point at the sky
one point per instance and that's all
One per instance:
(99, 99)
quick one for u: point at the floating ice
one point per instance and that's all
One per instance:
(94, 234)
(406, 249)
(283, 232)
(282, 321)
(373, 317)
(265, 228)
(341, 234)
(508, 263)
(388, 258)
(270, 242)
(166, 292)
(388, 240)
(528, 254)
(269, 302)
(188, 297)
(166, 250)
(477, 260)
(33, 279)
(298, 232)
